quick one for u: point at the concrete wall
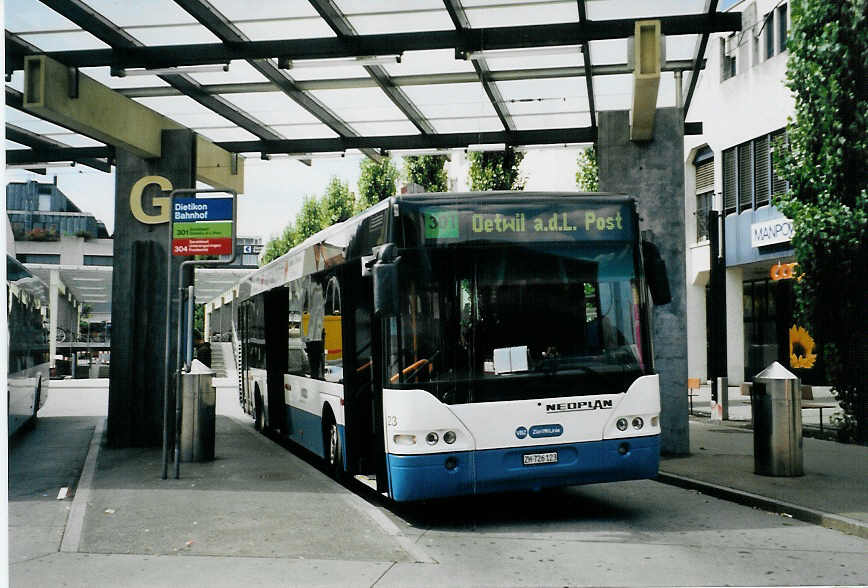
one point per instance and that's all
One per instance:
(653, 172)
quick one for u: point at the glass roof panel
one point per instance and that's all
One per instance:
(184, 111)
(617, 9)
(359, 104)
(274, 19)
(519, 61)
(272, 108)
(541, 96)
(218, 134)
(428, 62)
(14, 145)
(104, 77)
(504, 13)
(370, 18)
(451, 100)
(468, 124)
(31, 123)
(305, 131)
(552, 121)
(73, 139)
(608, 52)
(613, 92)
(64, 41)
(301, 72)
(141, 12)
(32, 15)
(174, 35)
(392, 127)
(680, 47)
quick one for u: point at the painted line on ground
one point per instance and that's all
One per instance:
(802, 513)
(75, 521)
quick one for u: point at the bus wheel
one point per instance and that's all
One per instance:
(257, 411)
(332, 445)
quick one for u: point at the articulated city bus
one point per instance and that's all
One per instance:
(449, 344)
(28, 346)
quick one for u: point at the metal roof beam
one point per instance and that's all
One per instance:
(344, 29)
(233, 38)
(589, 76)
(462, 25)
(514, 37)
(410, 80)
(699, 54)
(83, 155)
(39, 144)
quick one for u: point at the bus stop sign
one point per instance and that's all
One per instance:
(202, 226)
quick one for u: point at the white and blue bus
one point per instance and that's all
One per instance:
(28, 346)
(450, 344)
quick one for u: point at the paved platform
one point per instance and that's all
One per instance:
(260, 515)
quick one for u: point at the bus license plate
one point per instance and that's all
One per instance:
(538, 458)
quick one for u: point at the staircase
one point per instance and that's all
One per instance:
(223, 360)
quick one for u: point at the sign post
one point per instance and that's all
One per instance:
(198, 226)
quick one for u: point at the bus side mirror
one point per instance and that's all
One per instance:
(385, 273)
(655, 274)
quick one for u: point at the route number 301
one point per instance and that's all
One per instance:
(392, 421)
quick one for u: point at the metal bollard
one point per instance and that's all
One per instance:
(198, 413)
(776, 412)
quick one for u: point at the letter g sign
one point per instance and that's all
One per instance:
(160, 202)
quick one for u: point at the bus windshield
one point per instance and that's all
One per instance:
(488, 322)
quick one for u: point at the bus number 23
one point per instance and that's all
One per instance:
(392, 421)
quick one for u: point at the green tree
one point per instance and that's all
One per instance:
(377, 181)
(309, 219)
(427, 171)
(495, 170)
(588, 174)
(826, 165)
(338, 204)
(281, 244)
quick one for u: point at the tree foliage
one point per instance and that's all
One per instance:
(427, 171)
(826, 166)
(338, 204)
(588, 174)
(495, 170)
(281, 244)
(377, 181)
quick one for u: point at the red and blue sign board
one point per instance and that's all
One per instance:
(202, 226)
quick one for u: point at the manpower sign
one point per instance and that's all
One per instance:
(771, 232)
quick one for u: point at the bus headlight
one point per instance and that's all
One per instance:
(622, 424)
(432, 438)
(404, 439)
(449, 437)
(638, 423)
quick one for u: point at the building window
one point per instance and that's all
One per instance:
(38, 258)
(730, 188)
(749, 178)
(704, 163)
(782, 28)
(728, 50)
(769, 35)
(104, 260)
(745, 177)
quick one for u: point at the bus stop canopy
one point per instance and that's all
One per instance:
(331, 77)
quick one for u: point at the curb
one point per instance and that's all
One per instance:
(804, 514)
(75, 521)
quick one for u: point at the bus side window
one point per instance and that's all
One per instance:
(297, 363)
(333, 335)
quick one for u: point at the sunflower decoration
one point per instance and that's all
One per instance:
(801, 348)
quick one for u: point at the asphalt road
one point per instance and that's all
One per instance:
(626, 534)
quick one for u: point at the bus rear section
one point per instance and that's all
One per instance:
(517, 352)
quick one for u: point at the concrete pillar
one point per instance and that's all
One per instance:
(141, 246)
(653, 172)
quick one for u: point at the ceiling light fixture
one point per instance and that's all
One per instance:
(524, 52)
(40, 164)
(287, 63)
(486, 147)
(160, 71)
